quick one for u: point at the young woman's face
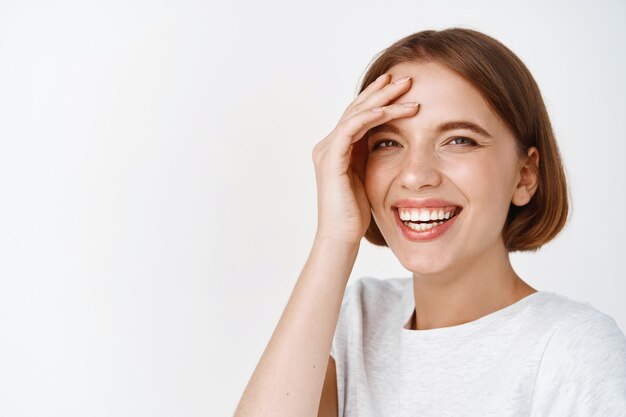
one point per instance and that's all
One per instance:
(479, 172)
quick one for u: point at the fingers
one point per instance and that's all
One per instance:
(356, 126)
(369, 90)
(363, 122)
(371, 108)
(379, 93)
(344, 139)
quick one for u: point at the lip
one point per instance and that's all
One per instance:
(428, 202)
(430, 234)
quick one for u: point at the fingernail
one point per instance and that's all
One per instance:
(402, 80)
(410, 104)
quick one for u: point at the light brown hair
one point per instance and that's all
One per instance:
(511, 91)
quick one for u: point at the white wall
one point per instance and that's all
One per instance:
(157, 195)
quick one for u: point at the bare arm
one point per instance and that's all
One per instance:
(289, 377)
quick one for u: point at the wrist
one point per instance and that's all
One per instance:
(334, 244)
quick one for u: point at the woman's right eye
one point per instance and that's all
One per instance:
(384, 143)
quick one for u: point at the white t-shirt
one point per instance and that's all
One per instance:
(545, 355)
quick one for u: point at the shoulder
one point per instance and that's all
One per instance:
(580, 331)
(368, 290)
(371, 301)
(583, 366)
(367, 306)
(565, 321)
(576, 324)
(590, 335)
(563, 308)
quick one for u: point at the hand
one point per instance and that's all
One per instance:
(344, 212)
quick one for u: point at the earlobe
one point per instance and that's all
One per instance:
(529, 178)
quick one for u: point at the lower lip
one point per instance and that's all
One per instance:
(430, 234)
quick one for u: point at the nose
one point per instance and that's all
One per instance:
(419, 171)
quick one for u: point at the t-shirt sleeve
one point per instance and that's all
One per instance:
(348, 318)
(339, 343)
(583, 370)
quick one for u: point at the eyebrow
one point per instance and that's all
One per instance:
(442, 127)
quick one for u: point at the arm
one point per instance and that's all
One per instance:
(289, 377)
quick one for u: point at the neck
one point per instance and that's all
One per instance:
(467, 293)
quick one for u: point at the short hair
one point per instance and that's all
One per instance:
(513, 94)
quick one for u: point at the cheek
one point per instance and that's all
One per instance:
(486, 183)
(376, 182)
(373, 189)
(483, 179)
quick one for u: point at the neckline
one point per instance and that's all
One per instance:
(459, 329)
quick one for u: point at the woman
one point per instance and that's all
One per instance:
(447, 156)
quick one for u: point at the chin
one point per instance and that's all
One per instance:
(424, 263)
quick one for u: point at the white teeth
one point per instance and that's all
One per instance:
(422, 226)
(424, 215)
(408, 215)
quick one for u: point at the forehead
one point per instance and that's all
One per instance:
(443, 95)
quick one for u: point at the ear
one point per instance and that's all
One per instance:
(528, 178)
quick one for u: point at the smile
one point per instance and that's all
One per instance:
(425, 223)
(424, 219)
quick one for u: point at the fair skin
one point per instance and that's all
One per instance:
(465, 273)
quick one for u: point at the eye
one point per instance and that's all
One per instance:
(383, 143)
(468, 141)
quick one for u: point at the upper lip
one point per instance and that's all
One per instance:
(424, 203)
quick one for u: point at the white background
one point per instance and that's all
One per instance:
(157, 194)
